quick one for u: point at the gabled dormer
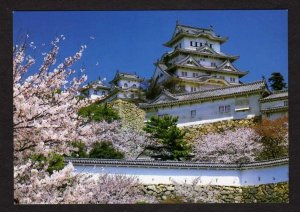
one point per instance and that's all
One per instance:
(164, 96)
(188, 61)
(227, 66)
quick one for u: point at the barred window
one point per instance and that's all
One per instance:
(227, 108)
(285, 103)
(241, 104)
(193, 113)
(221, 109)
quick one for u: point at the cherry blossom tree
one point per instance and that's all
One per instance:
(33, 186)
(233, 146)
(45, 121)
(194, 193)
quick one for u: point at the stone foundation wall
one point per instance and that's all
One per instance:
(268, 193)
(192, 132)
(131, 116)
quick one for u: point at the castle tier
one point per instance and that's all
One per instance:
(196, 60)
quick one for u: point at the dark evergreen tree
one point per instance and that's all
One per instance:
(105, 150)
(154, 89)
(169, 144)
(99, 112)
(277, 81)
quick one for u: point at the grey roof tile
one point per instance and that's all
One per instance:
(276, 95)
(175, 164)
(212, 93)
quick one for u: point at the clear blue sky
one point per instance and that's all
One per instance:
(132, 41)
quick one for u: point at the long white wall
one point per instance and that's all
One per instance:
(207, 176)
(272, 104)
(209, 110)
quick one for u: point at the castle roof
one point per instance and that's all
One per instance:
(276, 95)
(190, 63)
(195, 32)
(204, 51)
(175, 164)
(217, 93)
(96, 85)
(125, 75)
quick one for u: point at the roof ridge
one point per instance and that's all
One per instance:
(222, 88)
(193, 27)
(280, 91)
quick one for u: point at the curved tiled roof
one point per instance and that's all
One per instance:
(174, 164)
(183, 30)
(275, 109)
(196, 52)
(210, 94)
(209, 69)
(276, 96)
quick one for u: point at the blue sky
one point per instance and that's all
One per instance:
(132, 41)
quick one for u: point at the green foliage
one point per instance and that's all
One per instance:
(170, 144)
(82, 150)
(154, 89)
(173, 85)
(99, 112)
(277, 81)
(105, 150)
(55, 162)
(175, 200)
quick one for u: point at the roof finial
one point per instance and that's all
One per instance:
(177, 22)
(211, 27)
(99, 78)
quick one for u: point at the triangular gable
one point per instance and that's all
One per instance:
(176, 31)
(163, 97)
(227, 66)
(189, 61)
(160, 71)
(206, 49)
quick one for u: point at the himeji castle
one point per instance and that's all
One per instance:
(207, 83)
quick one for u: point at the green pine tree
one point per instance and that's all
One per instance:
(99, 112)
(277, 81)
(170, 144)
(105, 150)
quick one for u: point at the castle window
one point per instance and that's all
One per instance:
(213, 64)
(95, 92)
(221, 77)
(285, 103)
(242, 104)
(210, 45)
(227, 108)
(193, 113)
(232, 79)
(184, 74)
(195, 74)
(134, 85)
(193, 43)
(193, 89)
(201, 44)
(103, 92)
(125, 85)
(221, 109)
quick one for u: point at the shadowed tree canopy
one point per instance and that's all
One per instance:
(277, 81)
(169, 144)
